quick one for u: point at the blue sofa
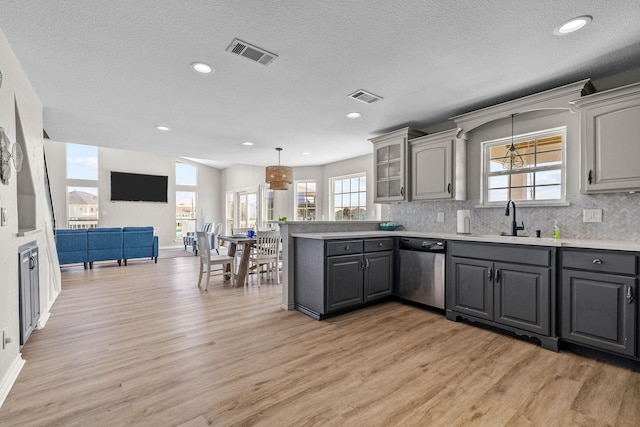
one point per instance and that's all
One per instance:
(72, 246)
(105, 244)
(139, 242)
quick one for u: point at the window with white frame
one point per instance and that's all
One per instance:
(305, 200)
(269, 196)
(186, 199)
(533, 174)
(349, 197)
(82, 186)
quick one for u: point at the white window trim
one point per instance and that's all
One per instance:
(295, 197)
(484, 168)
(331, 195)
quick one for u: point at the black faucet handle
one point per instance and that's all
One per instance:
(520, 227)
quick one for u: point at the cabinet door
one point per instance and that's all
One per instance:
(522, 297)
(608, 130)
(344, 282)
(471, 290)
(431, 171)
(25, 297)
(378, 275)
(390, 170)
(596, 310)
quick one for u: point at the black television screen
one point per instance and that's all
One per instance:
(138, 187)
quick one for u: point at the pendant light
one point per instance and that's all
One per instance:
(278, 177)
(512, 159)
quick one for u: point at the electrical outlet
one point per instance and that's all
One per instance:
(592, 215)
(440, 216)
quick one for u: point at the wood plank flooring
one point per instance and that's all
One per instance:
(141, 345)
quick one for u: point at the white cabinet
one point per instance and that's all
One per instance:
(610, 140)
(390, 162)
(438, 166)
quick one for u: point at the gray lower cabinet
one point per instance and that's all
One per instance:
(344, 282)
(517, 295)
(598, 300)
(331, 276)
(29, 294)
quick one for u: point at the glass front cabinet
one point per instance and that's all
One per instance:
(391, 167)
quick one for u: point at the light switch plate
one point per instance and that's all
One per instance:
(440, 216)
(592, 215)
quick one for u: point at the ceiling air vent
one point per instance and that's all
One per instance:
(364, 96)
(251, 52)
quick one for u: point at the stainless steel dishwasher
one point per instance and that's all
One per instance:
(422, 271)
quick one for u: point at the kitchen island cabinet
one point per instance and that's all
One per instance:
(333, 276)
(506, 286)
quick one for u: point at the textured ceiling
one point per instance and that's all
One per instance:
(108, 71)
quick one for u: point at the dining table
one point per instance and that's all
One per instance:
(246, 243)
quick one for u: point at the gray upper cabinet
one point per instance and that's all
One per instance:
(610, 125)
(391, 171)
(438, 166)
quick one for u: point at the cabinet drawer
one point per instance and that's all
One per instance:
(374, 245)
(602, 261)
(344, 247)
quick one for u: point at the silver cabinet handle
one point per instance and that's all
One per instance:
(597, 261)
(497, 275)
(490, 274)
(346, 248)
(402, 191)
(379, 244)
(629, 294)
(367, 261)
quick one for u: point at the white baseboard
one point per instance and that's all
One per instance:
(10, 377)
(43, 319)
(288, 306)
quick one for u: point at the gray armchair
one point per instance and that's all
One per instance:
(191, 239)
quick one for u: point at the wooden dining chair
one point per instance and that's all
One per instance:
(266, 254)
(208, 260)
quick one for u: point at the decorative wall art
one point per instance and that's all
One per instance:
(7, 153)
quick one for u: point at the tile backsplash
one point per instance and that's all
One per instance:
(620, 217)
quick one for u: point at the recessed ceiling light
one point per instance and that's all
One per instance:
(572, 25)
(306, 153)
(201, 67)
(163, 128)
(247, 143)
(354, 115)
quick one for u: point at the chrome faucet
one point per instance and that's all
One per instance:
(514, 225)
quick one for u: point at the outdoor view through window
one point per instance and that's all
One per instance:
(186, 199)
(82, 186)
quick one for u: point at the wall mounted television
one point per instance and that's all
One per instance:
(135, 187)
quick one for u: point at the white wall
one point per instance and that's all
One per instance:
(242, 176)
(120, 214)
(17, 91)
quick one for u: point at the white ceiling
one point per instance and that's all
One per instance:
(109, 71)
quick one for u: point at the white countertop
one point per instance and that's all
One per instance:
(533, 241)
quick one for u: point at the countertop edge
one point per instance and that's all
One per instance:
(530, 241)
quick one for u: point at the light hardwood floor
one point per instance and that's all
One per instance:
(142, 345)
